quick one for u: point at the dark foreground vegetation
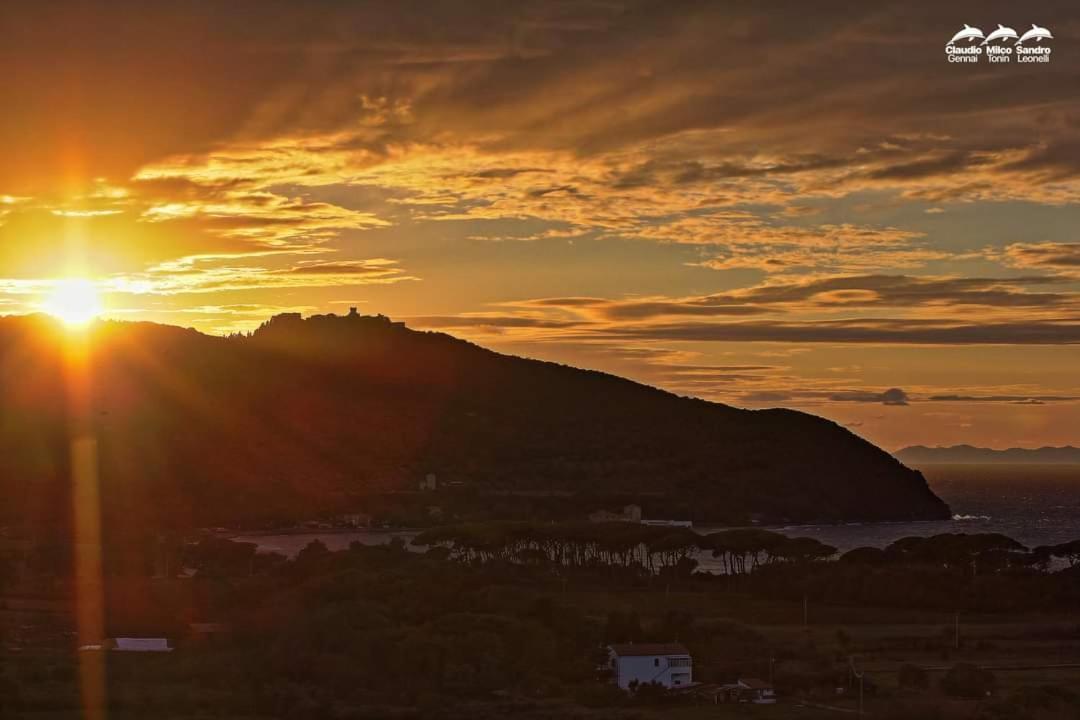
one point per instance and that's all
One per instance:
(987, 572)
(510, 620)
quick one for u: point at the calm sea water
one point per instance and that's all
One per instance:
(1036, 505)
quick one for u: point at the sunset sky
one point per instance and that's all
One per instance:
(753, 203)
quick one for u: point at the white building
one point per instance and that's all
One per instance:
(355, 519)
(668, 664)
(130, 644)
(629, 513)
(669, 523)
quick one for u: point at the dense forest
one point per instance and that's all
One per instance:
(480, 624)
(318, 415)
(982, 571)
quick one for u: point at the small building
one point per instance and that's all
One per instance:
(629, 513)
(207, 633)
(669, 523)
(355, 519)
(668, 664)
(138, 644)
(429, 483)
(756, 691)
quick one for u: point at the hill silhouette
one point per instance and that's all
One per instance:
(315, 415)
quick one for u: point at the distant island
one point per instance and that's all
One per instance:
(917, 455)
(328, 416)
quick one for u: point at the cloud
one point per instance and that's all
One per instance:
(1047, 256)
(751, 242)
(887, 331)
(594, 117)
(788, 177)
(699, 306)
(1017, 399)
(489, 321)
(892, 396)
(911, 292)
(590, 78)
(377, 266)
(765, 396)
(844, 293)
(195, 278)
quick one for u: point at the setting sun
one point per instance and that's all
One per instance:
(75, 301)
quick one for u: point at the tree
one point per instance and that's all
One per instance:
(864, 556)
(974, 554)
(312, 551)
(967, 680)
(650, 693)
(913, 677)
(1070, 552)
(7, 573)
(742, 550)
(1035, 703)
(216, 557)
(622, 627)
(803, 550)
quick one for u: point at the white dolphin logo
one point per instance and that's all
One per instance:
(1036, 33)
(968, 33)
(1001, 33)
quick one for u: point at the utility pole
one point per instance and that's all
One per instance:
(858, 676)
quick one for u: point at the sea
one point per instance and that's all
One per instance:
(1033, 504)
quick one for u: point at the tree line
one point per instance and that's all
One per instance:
(740, 551)
(649, 548)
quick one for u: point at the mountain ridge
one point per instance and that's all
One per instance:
(318, 415)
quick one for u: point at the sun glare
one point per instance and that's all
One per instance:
(75, 301)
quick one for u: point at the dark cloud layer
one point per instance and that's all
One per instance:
(1019, 399)
(1045, 255)
(871, 330)
(583, 76)
(857, 292)
(892, 396)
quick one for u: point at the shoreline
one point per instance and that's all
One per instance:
(231, 534)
